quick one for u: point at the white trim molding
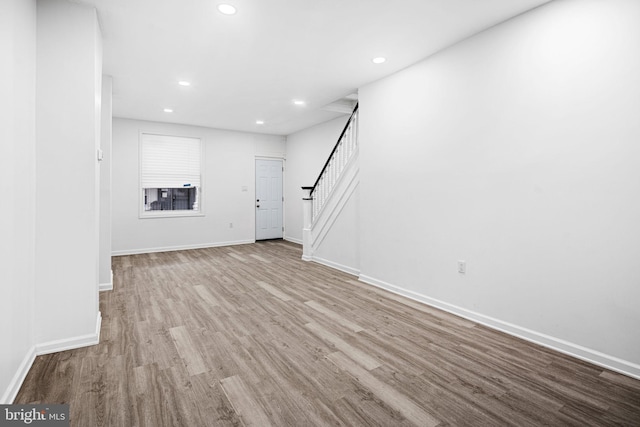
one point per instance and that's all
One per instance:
(180, 248)
(19, 377)
(293, 240)
(589, 355)
(71, 343)
(270, 156)
(335, 265)
(106, 286)
(45, 348)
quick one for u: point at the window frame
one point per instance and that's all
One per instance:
(144, 214)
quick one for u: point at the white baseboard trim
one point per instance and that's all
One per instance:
(16, 382)
(179, 248)
(293, 240)
(106, 286)
(71, 343)
(592, 356)
(343, 268)
(45, 348)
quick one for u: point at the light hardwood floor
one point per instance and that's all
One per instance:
(251, 335)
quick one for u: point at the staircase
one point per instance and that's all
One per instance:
(336, 183)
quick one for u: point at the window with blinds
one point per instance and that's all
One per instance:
(170, 176)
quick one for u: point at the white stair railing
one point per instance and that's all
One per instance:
(338, 160)
(318, 195)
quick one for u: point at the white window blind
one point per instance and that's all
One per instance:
(169, 161)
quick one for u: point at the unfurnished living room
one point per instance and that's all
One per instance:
(309, 213)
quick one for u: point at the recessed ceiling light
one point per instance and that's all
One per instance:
(227, 9)
(379, 60)
(259, 122)
(298, 102)
(184, 83)
(168, 110)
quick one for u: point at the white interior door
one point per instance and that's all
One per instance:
(268, 199)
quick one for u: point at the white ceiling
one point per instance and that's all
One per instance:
(251, 65)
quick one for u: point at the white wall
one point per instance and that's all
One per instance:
(229, 166)
(17, 186)
(517, 151)
(68, 88)
(340, 247)
(307, 152)
(105, 185)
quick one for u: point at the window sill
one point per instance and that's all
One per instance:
(168, 214)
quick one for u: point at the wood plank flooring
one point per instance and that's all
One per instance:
(251, 335)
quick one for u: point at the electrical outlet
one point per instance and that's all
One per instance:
(462, 267)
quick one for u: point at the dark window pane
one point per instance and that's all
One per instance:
(169, 199)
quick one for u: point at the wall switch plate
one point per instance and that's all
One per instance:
(462, 267)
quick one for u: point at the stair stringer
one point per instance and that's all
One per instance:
(342, 191)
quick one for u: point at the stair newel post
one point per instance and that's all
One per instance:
(307, 211)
